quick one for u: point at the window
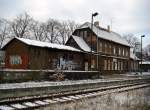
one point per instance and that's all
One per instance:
(100, 46)
(114, 50)
(127, 53)
(109, 65)
(121, 65)
(110, 48)
(119, 51)
(105, 64)
(82, 34)
(123, 52)
(115, 64)
(93, 63)
(78, 33)
(112, 65)
(85, 34)
(106, 48)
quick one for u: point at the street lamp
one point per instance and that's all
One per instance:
(141, 52)
(93, 15)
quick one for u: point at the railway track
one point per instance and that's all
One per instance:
(35, 102)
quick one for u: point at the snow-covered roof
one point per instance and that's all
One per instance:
(104, 34)
(81, 43)
(145, 62)
(46, 44)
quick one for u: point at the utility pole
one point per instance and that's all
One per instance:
(93, 15)
(141, 52)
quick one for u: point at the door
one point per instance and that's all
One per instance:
(86, 66)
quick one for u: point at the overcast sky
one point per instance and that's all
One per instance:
(127, 16)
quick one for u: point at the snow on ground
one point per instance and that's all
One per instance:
(25, 70)
(5, 107)
(44, 84)
(45, 70)
(50, 83)
(137, 74)
(109, 78)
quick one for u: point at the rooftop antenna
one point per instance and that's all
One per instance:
(111, 22)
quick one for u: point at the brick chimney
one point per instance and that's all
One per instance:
(96, 23)
(108, 28)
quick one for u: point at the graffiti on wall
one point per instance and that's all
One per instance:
(65, 63)
(19, 61)
(2, 56)
(15, 60)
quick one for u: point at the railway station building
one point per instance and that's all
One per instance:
(107, 51)
(87, 49)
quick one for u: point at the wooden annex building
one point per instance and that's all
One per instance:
(87, 49)
(31, 54)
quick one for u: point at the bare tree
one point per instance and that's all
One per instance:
(131, 39)
(66, 29)
(4, 31)
(51, 30)
(38, 30)
(72, 25)
(21, 25)
(63, 31)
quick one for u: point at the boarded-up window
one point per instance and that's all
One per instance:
(15, 60)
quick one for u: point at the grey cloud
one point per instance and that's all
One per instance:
(127, 15)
